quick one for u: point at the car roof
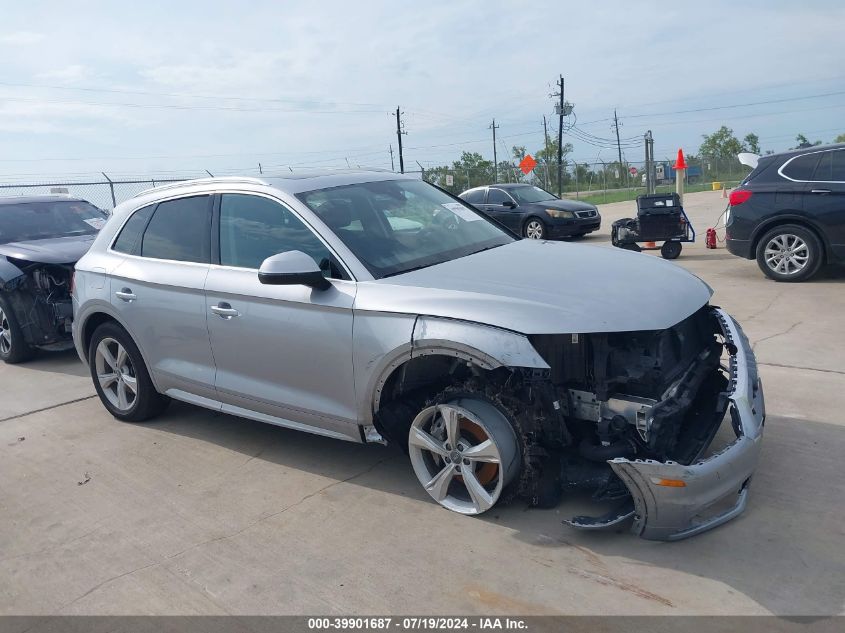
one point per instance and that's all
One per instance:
(9, 200)
(803, 150)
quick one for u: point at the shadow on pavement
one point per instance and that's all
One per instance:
(785, 552)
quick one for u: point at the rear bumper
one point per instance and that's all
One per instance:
(740, 248)
(673, 513)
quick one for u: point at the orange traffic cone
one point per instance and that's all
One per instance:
(651, 244)
(724, 192)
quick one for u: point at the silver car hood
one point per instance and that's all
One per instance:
(536, 287)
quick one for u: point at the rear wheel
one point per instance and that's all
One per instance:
(13, 346)
(120, 376)
(789, 253)
(464, 452)
(534, 229)
(670, 250)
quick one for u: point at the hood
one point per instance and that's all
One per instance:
(537, 287)
(565, 205)
(57, 250)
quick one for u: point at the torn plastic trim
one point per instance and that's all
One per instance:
(674, 512)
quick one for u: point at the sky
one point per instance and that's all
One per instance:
(180, 87)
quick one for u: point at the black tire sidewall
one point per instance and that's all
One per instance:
(671, 250)
(809, 237)
(148, 402)
(21, 350)
(534, 218)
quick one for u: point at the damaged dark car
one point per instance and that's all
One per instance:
(41, 238)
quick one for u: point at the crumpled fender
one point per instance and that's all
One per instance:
(10, 275)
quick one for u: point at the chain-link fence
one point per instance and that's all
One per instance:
(105, 194)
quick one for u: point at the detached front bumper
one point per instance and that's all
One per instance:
(715, 489)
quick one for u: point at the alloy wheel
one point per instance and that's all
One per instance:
(5, 334)
(463, 458)
(116, 374)
(786, 254)
(534, 230)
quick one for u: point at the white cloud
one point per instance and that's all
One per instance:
(69, 74)
(21, 38)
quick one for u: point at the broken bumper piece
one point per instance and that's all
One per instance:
(673, 501)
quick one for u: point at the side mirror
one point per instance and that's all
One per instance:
(510, 204)
(292, 268)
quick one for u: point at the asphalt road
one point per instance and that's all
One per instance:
(197, 513)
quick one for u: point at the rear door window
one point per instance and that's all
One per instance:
(831, 167)
(802, 167)
(476, 196)
(128, 240)
(180, 231)
(497, 196)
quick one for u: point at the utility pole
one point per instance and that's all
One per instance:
(392, 168)
(560, 143)
(649, 162)
(493, 126)
(618, 144)
(545, 148)
(399, 134)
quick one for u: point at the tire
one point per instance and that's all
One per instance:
(13, 346)
(670, 250)
(789, 253)
(534, 229)
(465, 452)
(129, 395)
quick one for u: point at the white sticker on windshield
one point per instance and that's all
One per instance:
(97, 223)
(461, 211)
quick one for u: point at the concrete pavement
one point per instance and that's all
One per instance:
(197, 513)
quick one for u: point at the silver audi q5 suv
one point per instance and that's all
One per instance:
(372, 307)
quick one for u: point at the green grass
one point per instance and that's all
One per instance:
(623, 195)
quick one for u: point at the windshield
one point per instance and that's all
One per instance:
(45, 220)
(394, 226)
(531, 194)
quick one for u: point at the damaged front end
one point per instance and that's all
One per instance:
(40, 295)
(640, 411)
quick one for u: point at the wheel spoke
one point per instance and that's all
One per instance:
(484, 452)
(438, 487)
(107, 380)
(122, 400)
(481, 499)
(121, 357)
(450, 418)
(131, 383)
(105, 353)
(425, 441)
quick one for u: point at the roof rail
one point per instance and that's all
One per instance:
(246, 180)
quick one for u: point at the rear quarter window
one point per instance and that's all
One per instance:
(130, 234)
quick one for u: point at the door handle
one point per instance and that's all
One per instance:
(225, 311)
(126, 294)
(820, 191)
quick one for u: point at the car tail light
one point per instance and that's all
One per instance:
(738, 196)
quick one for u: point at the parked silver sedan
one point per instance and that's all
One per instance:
(372, 307)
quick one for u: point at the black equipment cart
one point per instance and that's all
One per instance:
(660, 218)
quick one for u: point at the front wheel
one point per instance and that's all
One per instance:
(789, 253)
(464, 452)
(120, 376)
(534, 229)
(13, 346)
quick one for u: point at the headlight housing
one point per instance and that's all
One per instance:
(558, 213)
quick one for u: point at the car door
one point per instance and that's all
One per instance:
(283, 351)
(825, 198)
(158, 292)
(509, 216)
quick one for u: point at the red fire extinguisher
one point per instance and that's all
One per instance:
(710, 238)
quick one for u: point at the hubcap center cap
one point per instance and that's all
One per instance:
(455, 456)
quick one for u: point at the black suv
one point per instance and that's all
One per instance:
(789, 213)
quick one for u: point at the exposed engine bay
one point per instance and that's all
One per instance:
(40, 297)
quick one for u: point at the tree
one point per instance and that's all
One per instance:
(752, 143)
(720, 145)
(839, 139)
(803, 142)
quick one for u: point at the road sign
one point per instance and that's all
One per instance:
(450, 180)
(633, 171)
(527, 164)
